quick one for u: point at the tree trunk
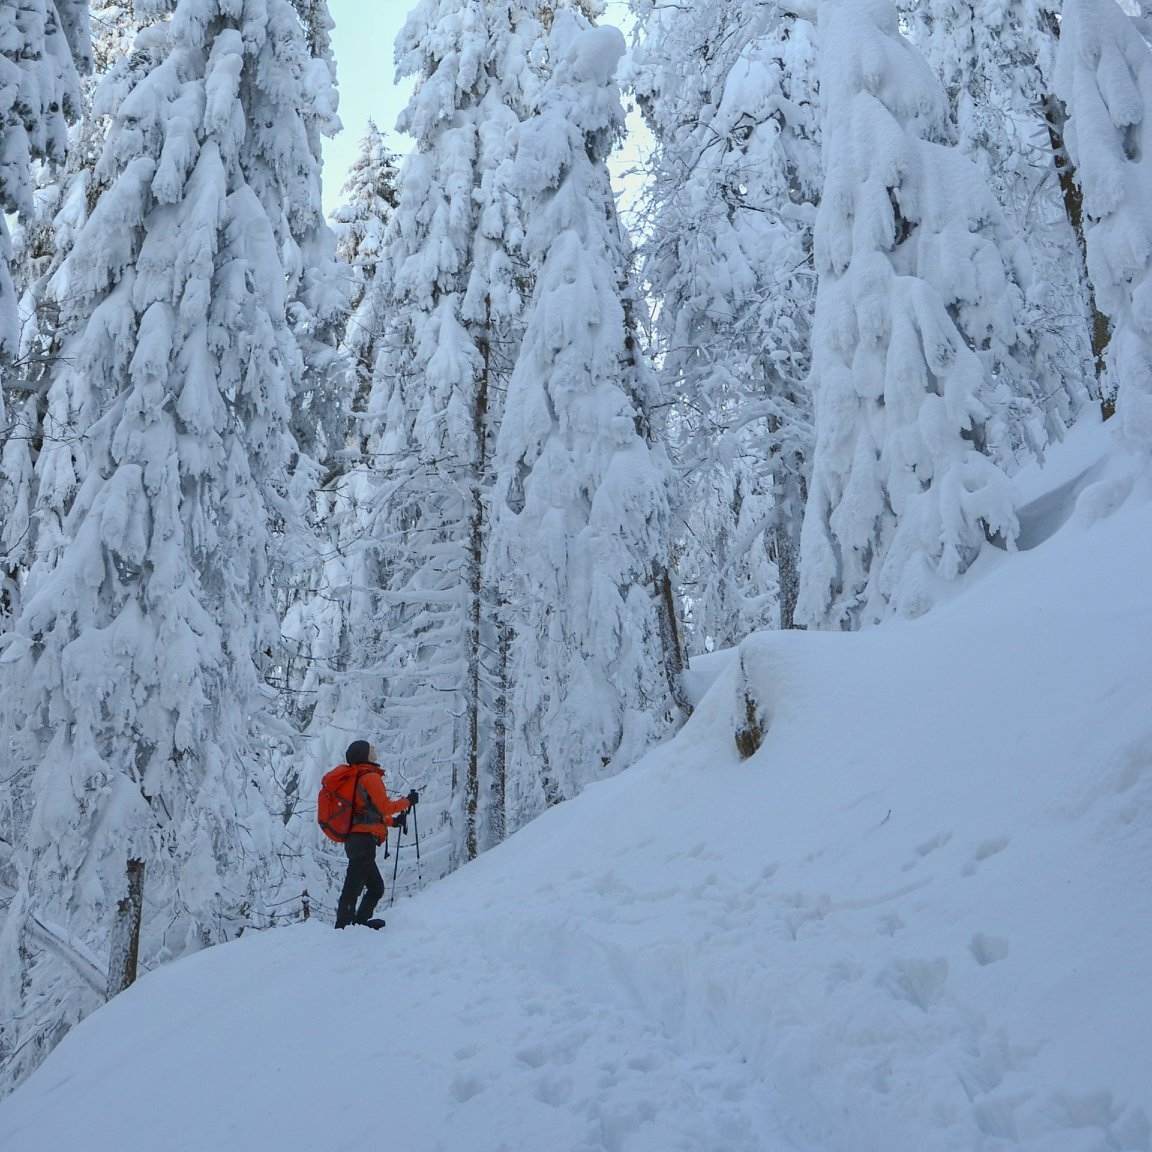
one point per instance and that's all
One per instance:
(475, 588)
(671, 641)
(789, 495)
(749, 734)
(498, 796)
(1101, 327)
(668, 619)
(125, 947)
(789, 575)
(787, 517)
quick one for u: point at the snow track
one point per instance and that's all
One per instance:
(918, 920)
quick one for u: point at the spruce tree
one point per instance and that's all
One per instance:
(42, 452)
(361, 224)
(43, 51)
(41, 44)
(132, 677)
(1104, 78)
(581, 503)
(913, 284)
(444, 311)
(730, 94)
(995, 62)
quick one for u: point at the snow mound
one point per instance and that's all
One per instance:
(918, 919)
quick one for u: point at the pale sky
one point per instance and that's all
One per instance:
(362, 40)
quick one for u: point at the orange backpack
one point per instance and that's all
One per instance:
(336, 805)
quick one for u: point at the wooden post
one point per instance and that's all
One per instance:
(124, 953)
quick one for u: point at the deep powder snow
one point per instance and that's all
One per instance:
(919, 919)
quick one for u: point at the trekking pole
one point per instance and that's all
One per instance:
(416, 831)
(395, 867)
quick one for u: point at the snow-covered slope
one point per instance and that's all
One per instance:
(919, 919)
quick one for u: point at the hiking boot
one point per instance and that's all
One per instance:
(377, 924)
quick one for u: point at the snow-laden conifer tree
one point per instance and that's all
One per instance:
(913, 293)
(1104, 78)
(320, 603)
(318, 304)
(446, 302)
(995, 61)
(729, 91)
(41, 43)
(131, 680)
(329, 592)
(318, 315)
(581, 503)
(33, 434)
(43, 50)
(361, 223)
(41, 450)
(323, 423)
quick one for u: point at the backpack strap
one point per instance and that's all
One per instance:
(355, 796)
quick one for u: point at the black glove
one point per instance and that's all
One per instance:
(400, 820)
(413, 798)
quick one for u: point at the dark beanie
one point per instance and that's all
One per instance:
(359, 752)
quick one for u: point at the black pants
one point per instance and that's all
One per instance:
(363, 877)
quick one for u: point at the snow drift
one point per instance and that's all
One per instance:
(917, 919)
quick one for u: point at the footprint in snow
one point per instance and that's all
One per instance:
(984, 851)
(919, 982)
(841, 973)
(930, 846)
(534, 1056)
(996, 1116)
(555, 1091)
(1124, 1128)
(802, 908)
(645, 1062)
(927, 848)
(464, 1088)
(988, 949)
(982, 1066)
(890, 924)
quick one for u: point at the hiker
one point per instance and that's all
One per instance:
(373, 814)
